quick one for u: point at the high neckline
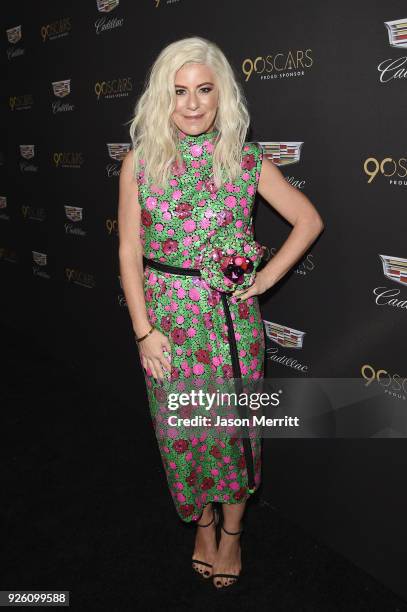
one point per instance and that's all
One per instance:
(196, 139)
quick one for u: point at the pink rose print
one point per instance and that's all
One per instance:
(186, 510)
(248, 162)
(191, 479)
(213, 298)
(198, 368)
(189, 225)
(215, 452)
(254, 349)
(243, 310)
(180, 446)
(230, 201)
(170, 246)
(203, 356)
(166, 322)
(208, 320)
(151, 203)
(178, 335)
(196, 150)
(146, 218)
(225, 217)
(207, 483)
(177, 194)
(183, 210)
(194, 294)
(227, 371)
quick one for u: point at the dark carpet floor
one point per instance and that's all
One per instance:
(85, 509)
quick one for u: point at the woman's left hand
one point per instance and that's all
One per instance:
(259, 286)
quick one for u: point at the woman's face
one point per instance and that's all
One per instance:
(196, 96)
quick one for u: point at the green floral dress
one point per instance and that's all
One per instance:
(213, 337)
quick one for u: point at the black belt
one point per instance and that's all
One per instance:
(159, 265)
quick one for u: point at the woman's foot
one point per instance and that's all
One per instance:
(228, 560)
(205, 543)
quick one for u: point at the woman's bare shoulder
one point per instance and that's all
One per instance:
(127, 167)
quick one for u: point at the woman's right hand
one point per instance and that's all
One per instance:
(151, 353)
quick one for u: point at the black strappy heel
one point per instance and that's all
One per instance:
(205, 575)
(235, 577)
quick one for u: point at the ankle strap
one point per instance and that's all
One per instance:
(207, 525)
(231, 532)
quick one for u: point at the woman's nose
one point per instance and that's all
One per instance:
(193, 101)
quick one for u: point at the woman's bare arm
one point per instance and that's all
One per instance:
(297, 209)
(130, 247)
(299, 212)
(132, 273)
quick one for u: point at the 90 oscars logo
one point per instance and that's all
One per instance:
(116, 88)
(21, 102)
(112, 227)
(391, 383)
(56, 29)
(78, 277)
(278, 63)
(387, 167)
(68, 159)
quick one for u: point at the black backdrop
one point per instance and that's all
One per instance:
(326, 90)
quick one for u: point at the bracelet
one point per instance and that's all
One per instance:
(147, 334)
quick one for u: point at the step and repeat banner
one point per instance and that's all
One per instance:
(325, 85)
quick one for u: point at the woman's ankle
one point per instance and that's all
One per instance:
(206, 516)
(232, 528)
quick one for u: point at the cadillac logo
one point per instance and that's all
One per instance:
(27, 151)
(61, 88)
(40, 258)
(283, 335)
(397, 31)
(73, 213)
(282, 153)
(14, 35)
(118, 151)
(395, 268)
(105, 6)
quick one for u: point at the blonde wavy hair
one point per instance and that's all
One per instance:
(153, 133)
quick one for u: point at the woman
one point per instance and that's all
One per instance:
(187, 190)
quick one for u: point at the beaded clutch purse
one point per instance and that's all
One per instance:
(229, 261)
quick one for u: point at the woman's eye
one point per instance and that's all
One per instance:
(204, 89)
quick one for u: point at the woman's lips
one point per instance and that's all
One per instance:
(196, 117)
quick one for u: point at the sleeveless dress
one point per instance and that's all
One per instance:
(211, 333)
